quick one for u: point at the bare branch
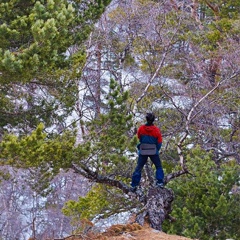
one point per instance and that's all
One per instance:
(96, 177)
(190, 118)
(174, 175)
(150, 81)
(153, 77)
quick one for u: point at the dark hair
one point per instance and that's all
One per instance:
(150, 118)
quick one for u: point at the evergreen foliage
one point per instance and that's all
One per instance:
(106, 150)
(183, 62)
(100, 202)
(205, 205)
(41, 55)
(42, 155)
(109, 134)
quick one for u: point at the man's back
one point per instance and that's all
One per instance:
(149, 134)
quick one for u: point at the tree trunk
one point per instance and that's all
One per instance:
(158, 206)
(157, 201)
(98, 81)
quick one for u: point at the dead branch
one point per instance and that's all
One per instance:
(98, 178)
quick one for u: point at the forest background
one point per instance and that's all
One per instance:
(76, 79)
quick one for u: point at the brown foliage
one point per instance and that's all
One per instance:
(128, 232)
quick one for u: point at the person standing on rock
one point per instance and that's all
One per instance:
(150, 138)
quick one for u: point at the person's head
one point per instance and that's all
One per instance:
(150, 118)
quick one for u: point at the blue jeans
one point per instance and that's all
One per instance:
(142, 159)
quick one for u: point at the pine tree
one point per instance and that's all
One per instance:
(206, 206)
(42, 54)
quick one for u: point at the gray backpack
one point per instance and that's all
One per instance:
(148, 149)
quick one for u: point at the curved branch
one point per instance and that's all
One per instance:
(174, 175)
(190, 117)
(98, 178)
(152, 78)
